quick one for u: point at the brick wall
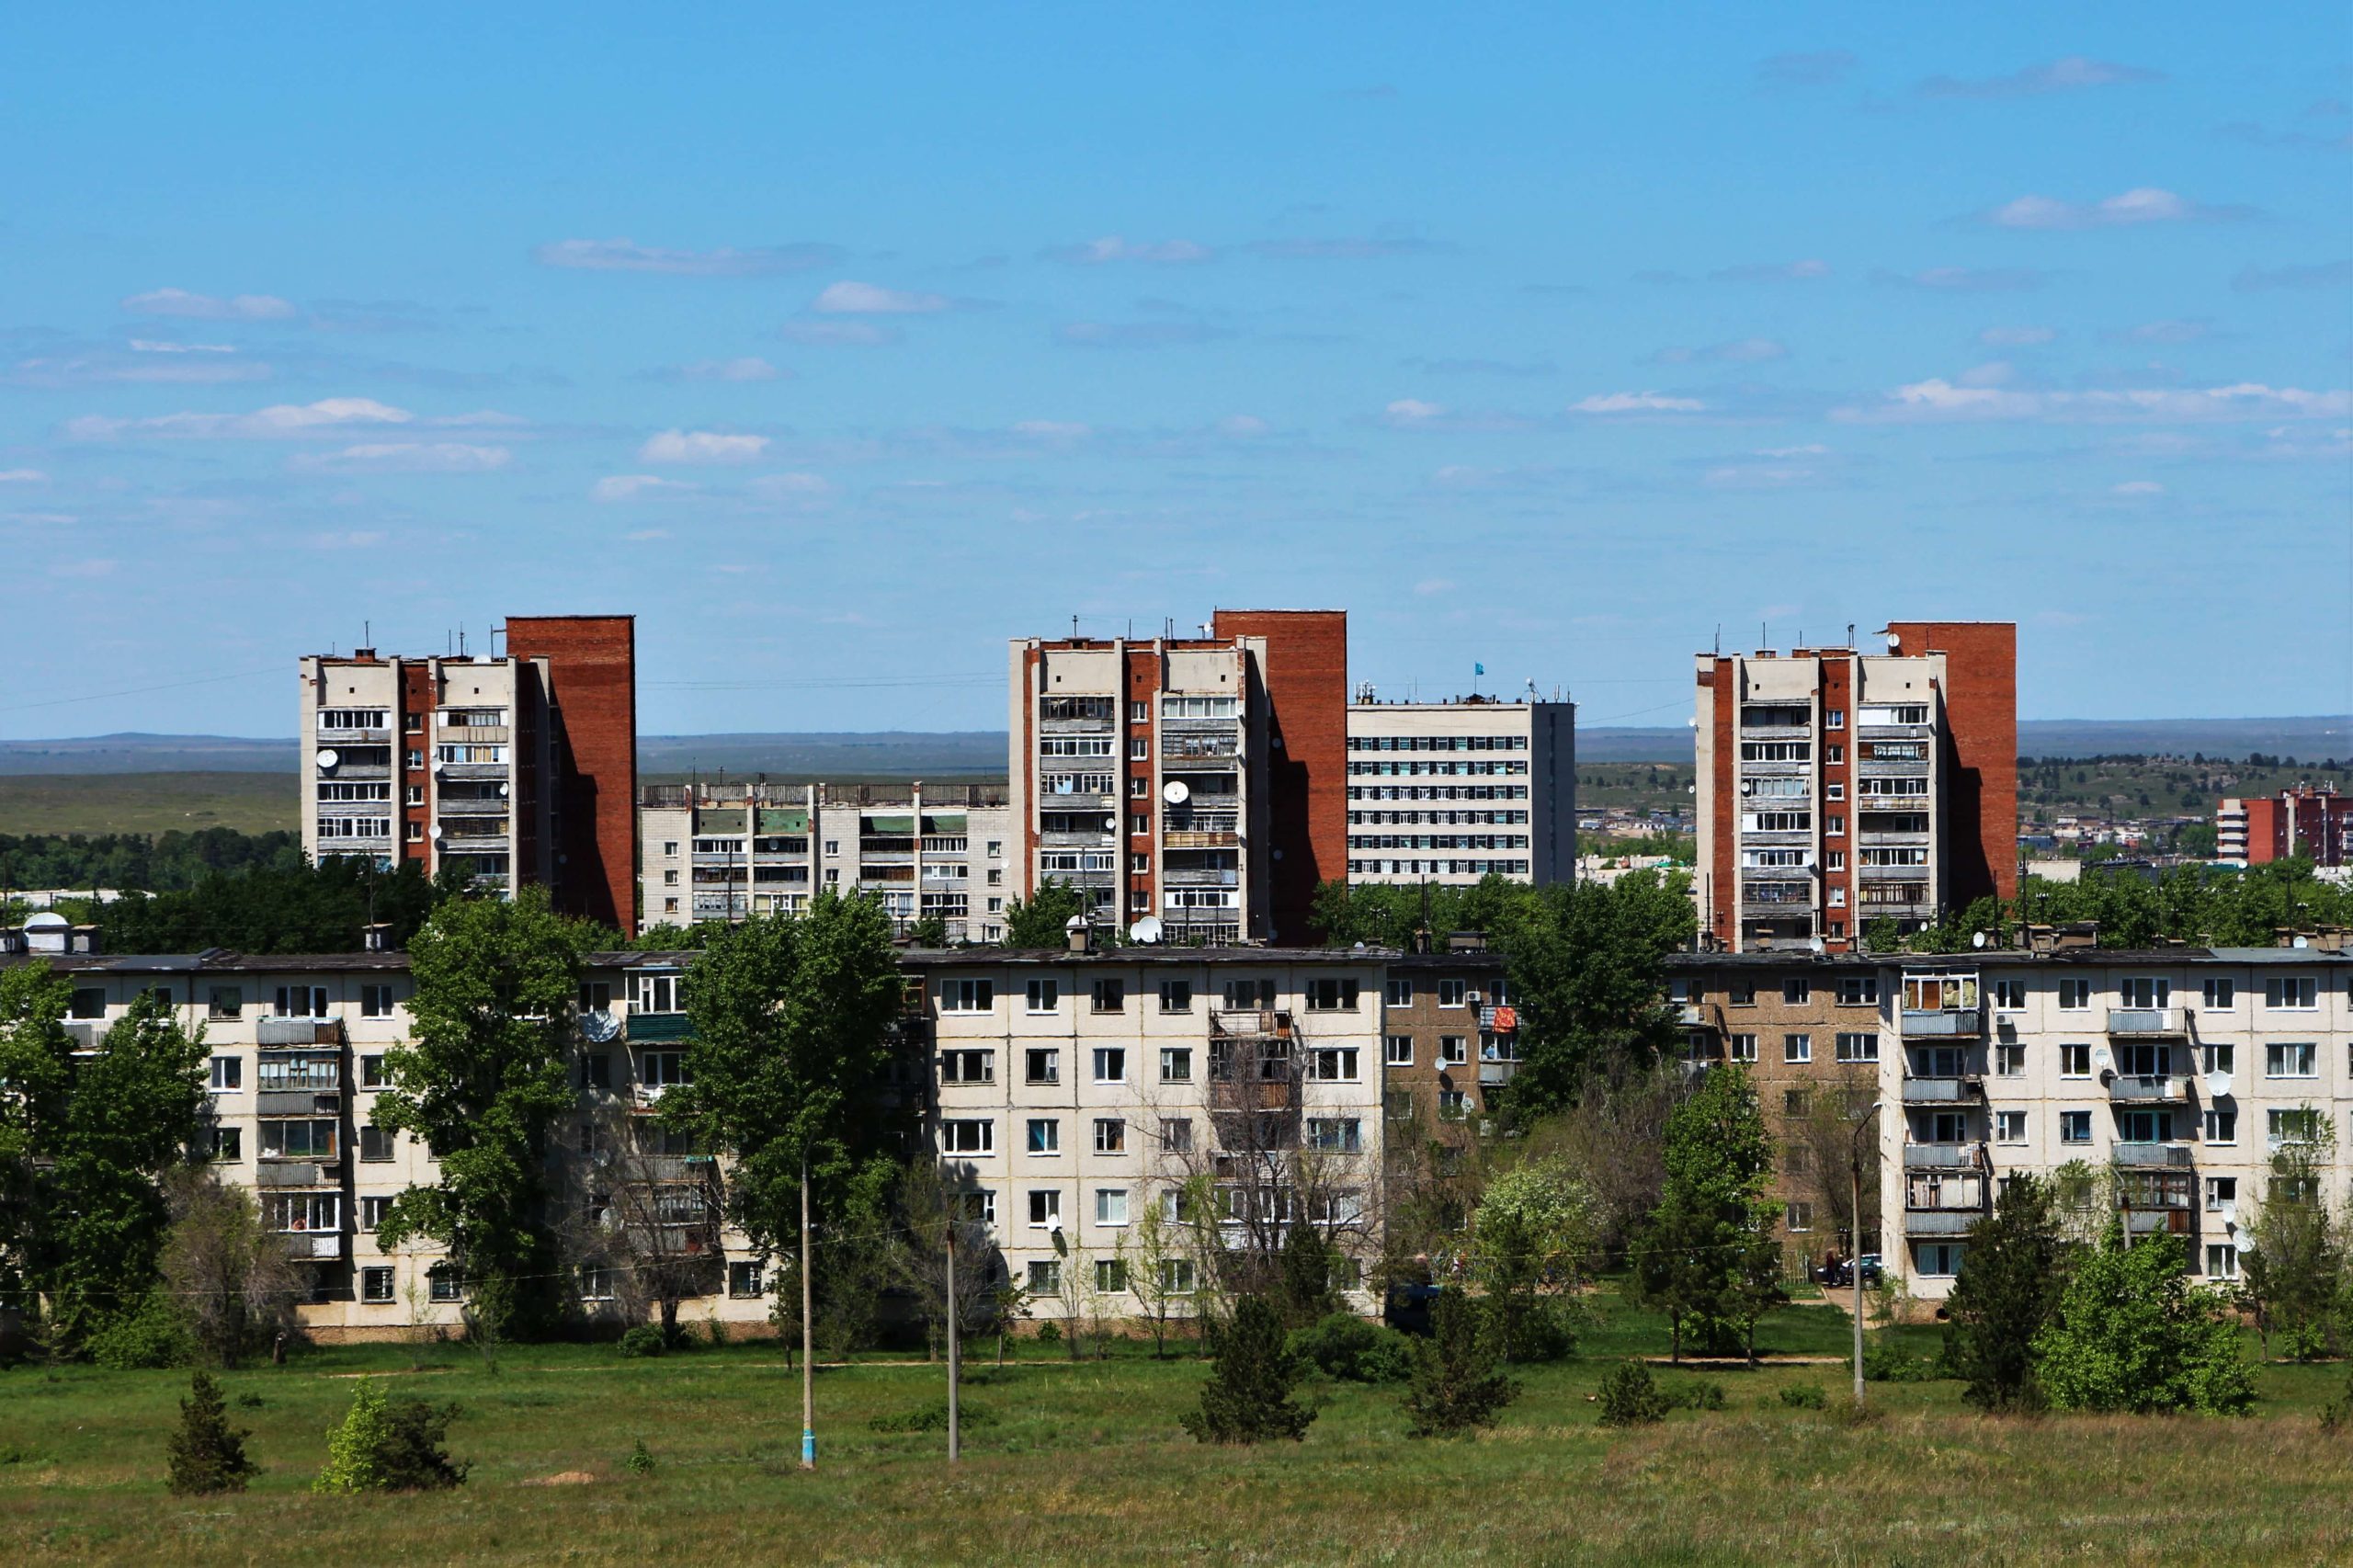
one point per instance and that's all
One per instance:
(1307, 693)
(592, 666)
(1981, 781)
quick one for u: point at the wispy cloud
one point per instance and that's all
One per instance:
(1968, 279)
(2137, 487)
(1137, 333)
(404, 457)
(745, 368)
(620, 487)
(1818, 68)
(1938, 399)
(2016, 337)
(1739, 351)
(1772, 272)
(838, 334)
(209, 307)
(627, 255)
(147, 364)
(1113, 248)
(2166, 331)
(851, 299)
(1636, 403)
(2067, 73)
(1365, 248)
(22, 476)
(325, 417)
(1481, 366)
(700, 447)
(2327, 275)
(2145, 204)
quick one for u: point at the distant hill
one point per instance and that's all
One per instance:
(972, 754)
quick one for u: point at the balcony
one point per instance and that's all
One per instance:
(1777, 731)
(719, 858)
(1092, 839)
(1941, 1222)
(380, 734)
(1212, 751)
(1943, 1091)
(1492, 1072)
(1944, 1156)
(2152, 1156)
(659, 1027)
(2177, 1222)
(2148, 1089)
(2148, 1023)
(475, 735)
(1895, 732)
(1778, 768)
(361, 771)
(298, 1031)
(1200, 876)
(298, 1102)
(461, 770)
(1943, 1023)
(314, 1244)
(298, 1172)
(1249, 1023)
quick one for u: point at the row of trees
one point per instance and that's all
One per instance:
(2212, 906)
(158, 863)
(292, 907)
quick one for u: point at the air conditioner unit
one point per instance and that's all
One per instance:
(1474, 997)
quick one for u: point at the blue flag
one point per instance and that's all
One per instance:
(1478, 669)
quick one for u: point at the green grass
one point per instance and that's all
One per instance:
(1084, 1463)
(148, 802)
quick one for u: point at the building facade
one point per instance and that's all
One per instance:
(1451, 793)
(1837, 789)
(729, 852)
(521, 765)
(2308, 822)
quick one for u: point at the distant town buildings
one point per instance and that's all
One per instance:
(522, 765)
(2313, 822)
(1449, 793)
(1837, 787)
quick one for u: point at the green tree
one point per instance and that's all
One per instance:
(1041, 920)
(206, 1455)
(1534, 1229)
(2006, 1296)
(1630, 1396)
(2133, 1335)
(1304, 1278)
(1587, 970)
(1457, 1385)
(230, 1278)
(2292, 1263)
(386, 1444)
(1247, 1397)
(482, 1081)
(1702, 1258)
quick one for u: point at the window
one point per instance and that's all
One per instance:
(1335, 1135)
(1045, 996)
(1397, 1050)
(1045, 1136)
(2222, 1193)
(1045, 1275)
(442, 1285)
(2009, 995)
(376, 1285)
(745, 1277)
(298, 1212)
(660, 1069)
(2075, 1060)
(968, 1066)
(596, 1282)
(371, 1072)
(1111, 1135)
(967, 997)
(2009, 1060)
(1332, 1064)
(2075, 1126)
(2222, 1261)
(1741, 993)
(2290, 992)
(1797, 1047)
(2221, 992)
(1861, 1047)
(968, 1137)
(1175, 995)
(375, 1142)
(1041, 1065)
(1453, 1105)
(1339, 996)
(1797, 991)
(1242, 996)
(1110, 1065)
(2299, 1126)
(298, 1140)
(1177, 1134)
(2218, 1056)
(1742, 1048)
(1045, 1207)
(1859, 991)
(659, 993)
(301, 1001)
(1110, 1275)
(375, 1001)
(2290, 1060)
(2143, 992)
(1176, 1275)
(228, 1072)
(228, 1144)
(977, 1207)
(1110, 1205)
(1795, 1102)
(2009, 1127)
(372, 1212)
(1451, 992)
(596, 1070)
(1799, 1216)
(1400, 993)
(1175, 1064)
(1453, 1050)
(1940, 1260)
(227, 1002)
(2222, 1125)
(2075, 995)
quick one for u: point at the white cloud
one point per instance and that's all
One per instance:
(1243, 427)
(145, 366)
(1968, 279)
(1409, 411)
(365, 539)
(22, 476)
(82, 568)
(279, 421)
(207, 307)
(405, 456)
(2179, 331)
(744, 367)
(2145, 204)
(2059, 75)
(1759, 476)
(629, 486)
(1052, 430)
(837, 333)
(1372, 247)
(1429, 586)
(848, 299)
(2137, 487)
(153, 346)
(625, 255)
(778, 486)
(1740, 351)
(700, 447)
(1636, 403)
(1811, 450)
(2016, 336)
(1937, 399)
(1112, 247)
(1773, 271)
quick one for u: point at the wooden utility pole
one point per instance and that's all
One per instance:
(955, 1347)
(808, 1338)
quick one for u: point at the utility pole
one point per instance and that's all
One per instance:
(809, 1339)
(1854, 1241)
(955, 1346)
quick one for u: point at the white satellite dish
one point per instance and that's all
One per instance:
(327, 759)
(2218, 1086)
(2100, 1055)
(1176, 792)
(436, 830)
(1146, 930)
(599, 1028)
(502, 791)
(1111, 824)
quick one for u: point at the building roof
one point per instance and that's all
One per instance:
(1162, 956)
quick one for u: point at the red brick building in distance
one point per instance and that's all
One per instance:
(2311, 822)
(592, 678)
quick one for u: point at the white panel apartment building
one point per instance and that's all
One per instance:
(720, 852)
(1451, 793)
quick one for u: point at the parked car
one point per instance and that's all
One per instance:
(1408, 1307)
(1845, 1272)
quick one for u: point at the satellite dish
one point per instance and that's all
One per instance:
(2218, 1086)
(1977, 940)
(1816, 946)
(1111, 824)
(436, 830)
(327, 759)
(599, 1026)
(2100, 1055)
(502, 791)
(1075, 923)
(1176, 792)
(1146, 930)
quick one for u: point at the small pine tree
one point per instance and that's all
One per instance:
(640, 1460)
(2337, 1413)
(1306, 1274)
(1457, 1385)
(2009, 1294)
(354, 1444)
(386, 1446)
(207, 1454)
(1629, 1396)
(1247, 1398)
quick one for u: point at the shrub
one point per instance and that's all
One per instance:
(1247, 1397)
(1345, 1347)
(640, 1460)
(1883, 1363)
(1457, 1384)
(932, 1418)
(354, 1444)
(645, 1339)
(2337, 1413)
(207, 1454)
(2134, 1335)
(1049, 1333)
(389, 1446)
(1805, 1397)
(1695, 1394)
(154, 1333)
(714, 1332)
(1629, 1396)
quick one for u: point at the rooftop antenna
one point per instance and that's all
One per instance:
(461, 638)
(1850, 635)
(368, 630)
(1719, 640)
(1073, 628)
(1761, 639)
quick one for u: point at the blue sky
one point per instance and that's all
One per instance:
(840, 347)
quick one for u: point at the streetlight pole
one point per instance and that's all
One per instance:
(1855, 1240)
(808, 1337)
(955, 1345)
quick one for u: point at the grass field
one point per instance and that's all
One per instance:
(148, 802)
(1084, 1463)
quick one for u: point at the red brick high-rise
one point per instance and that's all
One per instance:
(592, 678)
(1306, 674)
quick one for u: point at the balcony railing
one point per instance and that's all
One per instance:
(659, 1027)
(1941, 1222)
(298, 1031)
(1924, 1024)
(2147, 1022)
(297, 1173)
(2148, 1089)
(1943, 1091)
(1944, 1156)
(1200, 876)
(2144, 1155)
(1497, 1071)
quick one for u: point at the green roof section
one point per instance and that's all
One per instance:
(785, 819)
(890, 825)
(946, 822)
(719, 818)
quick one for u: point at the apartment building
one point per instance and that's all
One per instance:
(2313, 822)
(1450, 1038)
(1194, 782)
(1451, 793)
(1837, 787)
(728, 852)
(521, 765)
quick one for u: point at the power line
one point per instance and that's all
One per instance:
(140, 690)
